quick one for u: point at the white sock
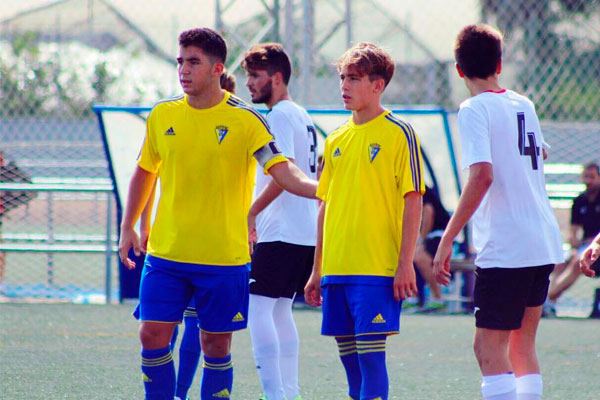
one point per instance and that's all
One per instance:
(530, 387)
(288, 346)
(265, 345)
(499, 387)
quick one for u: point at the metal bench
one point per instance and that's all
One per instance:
(51, 243)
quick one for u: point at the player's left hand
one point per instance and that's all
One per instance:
(589, 256)
(405, 282)
(312, 290)
(441, 263)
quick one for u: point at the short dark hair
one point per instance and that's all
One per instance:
(477, 50)
(209, 41)
(591, 165)
(368, 59)
(270, 57)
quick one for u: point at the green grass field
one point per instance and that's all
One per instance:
(63, 351)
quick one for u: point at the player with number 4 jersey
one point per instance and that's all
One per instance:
(515, 232)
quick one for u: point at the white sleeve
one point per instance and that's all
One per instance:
(283, 131)
(474, 133)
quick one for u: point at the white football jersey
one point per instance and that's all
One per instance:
(290, 218)
(514, 225)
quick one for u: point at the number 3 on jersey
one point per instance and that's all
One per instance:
(312, 162)
(533, 149)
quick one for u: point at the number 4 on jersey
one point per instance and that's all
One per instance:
(532, 150)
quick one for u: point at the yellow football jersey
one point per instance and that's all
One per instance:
(207, 168)
(368, 169)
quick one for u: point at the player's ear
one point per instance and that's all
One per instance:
(379, 85)
(499, 67)
(460, 73)
(277, 78)
(218, 68)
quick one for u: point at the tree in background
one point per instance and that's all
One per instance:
(555, 66)
(64, 79)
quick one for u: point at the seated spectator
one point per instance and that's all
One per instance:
(434, 221)
(585, 224)
(10, 172)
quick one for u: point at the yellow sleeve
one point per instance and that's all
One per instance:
(323, 187)
(259, 132)
(409, 169)
(260, 135)
(149, 158)
(275, 160)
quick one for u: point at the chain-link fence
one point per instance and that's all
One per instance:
(59, 57)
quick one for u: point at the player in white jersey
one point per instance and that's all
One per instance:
(285, 226)
(515, 232)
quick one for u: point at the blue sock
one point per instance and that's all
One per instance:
(174, 338)
(158, 374)
(189, 356)
(217, 378)
(349, 357)
(371, 357)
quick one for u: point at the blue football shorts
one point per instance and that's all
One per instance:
(190, 310)
(220, 294)
(358, 309)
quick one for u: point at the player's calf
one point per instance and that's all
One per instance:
(371, 357)
(349, 358)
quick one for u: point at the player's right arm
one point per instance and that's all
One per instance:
(589, 256)
(140, 186)
(312, 290)
(266, 197)
(480, 179)
(146, 219)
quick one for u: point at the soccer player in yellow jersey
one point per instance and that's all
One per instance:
(189, 347)
(205, 144)
(368, 224)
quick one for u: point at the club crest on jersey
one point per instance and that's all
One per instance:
(221, 131)
(373, 151)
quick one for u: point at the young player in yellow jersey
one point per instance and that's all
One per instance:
(189, 347)
(368, 224)
(205, 144)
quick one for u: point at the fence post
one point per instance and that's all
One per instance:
(108, 247)
(50, 264)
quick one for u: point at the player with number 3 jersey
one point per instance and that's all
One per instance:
(286, 226)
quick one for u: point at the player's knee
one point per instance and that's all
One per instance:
(216, 345)
(155, 337)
